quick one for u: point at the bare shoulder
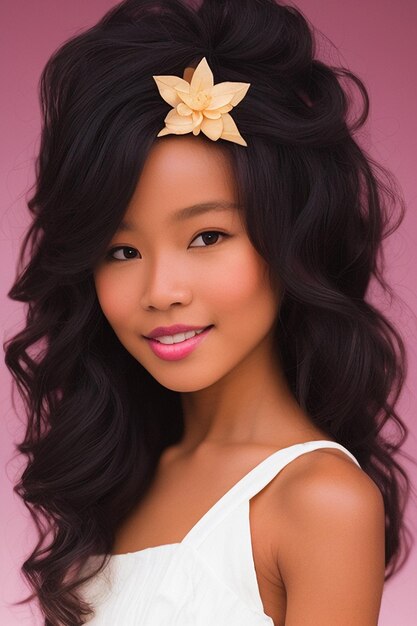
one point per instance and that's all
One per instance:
(330, 541)
(329, 477)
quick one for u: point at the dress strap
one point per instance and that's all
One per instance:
(252, 483)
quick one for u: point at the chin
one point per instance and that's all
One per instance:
(185, 383)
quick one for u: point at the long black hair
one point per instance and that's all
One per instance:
(316, 207)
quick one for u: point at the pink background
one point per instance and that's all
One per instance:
(377, 40)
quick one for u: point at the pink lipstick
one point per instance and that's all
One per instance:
(176, 351)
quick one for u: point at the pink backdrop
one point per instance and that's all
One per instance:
(377, 40)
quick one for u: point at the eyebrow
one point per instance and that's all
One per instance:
(188, 212)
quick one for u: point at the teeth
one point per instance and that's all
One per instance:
(168, 339)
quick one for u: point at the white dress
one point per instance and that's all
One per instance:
(207, 579)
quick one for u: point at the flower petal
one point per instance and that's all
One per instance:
(167, 88)
(230, 130)
(212, 128)
(202, 77)
(212, 115)
(179, 123)
(220, 100)
(225, 109)
(186, 98)
(182, 109)
(164, 131)
(197, 118)
(236, 90)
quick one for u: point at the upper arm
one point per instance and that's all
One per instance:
(331, 548)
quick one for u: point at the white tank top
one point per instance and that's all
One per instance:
(208, 578)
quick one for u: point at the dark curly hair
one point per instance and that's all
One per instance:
(96, 419)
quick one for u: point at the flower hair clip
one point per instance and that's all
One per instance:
(199, 105)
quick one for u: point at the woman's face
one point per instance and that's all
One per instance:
(165, 272)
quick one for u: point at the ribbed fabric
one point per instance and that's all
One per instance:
(207, 579)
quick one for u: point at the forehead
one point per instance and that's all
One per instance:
(182, 172)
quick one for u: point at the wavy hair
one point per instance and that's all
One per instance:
(316, 207)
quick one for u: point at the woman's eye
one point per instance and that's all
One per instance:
(121, 250)
(207, 237)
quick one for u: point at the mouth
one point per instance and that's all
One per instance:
(199, 332)
(180, 349)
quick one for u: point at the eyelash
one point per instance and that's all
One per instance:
(109, 256)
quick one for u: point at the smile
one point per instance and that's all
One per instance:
(179, 337)
(171, 350)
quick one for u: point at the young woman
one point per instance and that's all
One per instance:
(205, 414)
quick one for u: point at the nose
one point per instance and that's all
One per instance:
(165, 284)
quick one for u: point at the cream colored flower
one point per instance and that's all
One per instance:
(199, 105)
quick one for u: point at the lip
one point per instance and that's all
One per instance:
(176, 351)
(171, 330)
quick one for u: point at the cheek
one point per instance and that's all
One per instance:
(114, 295)
(243, 292)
